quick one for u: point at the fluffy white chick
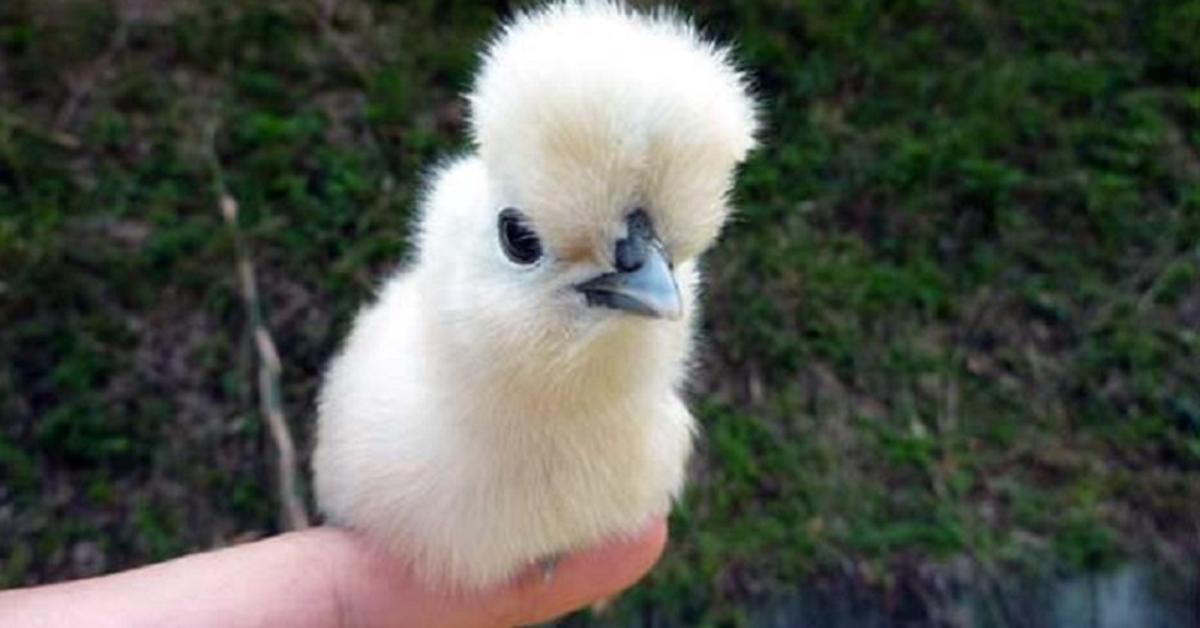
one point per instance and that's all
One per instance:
(514, 394)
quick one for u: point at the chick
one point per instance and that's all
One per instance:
(514, 394)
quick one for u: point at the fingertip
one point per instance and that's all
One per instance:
(618, 563)
(590, 575)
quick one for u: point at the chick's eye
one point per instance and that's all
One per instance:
(518, 239)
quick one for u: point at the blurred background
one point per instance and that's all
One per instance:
(951, 369)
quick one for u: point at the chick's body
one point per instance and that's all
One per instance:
(488, 411)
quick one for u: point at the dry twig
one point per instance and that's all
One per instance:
(80, 87)
(295, 516)
(323, 12)
(56, 137)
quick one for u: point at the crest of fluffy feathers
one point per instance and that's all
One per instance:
(480, 416)
(609, 107)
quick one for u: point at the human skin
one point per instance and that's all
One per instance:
(325, 577)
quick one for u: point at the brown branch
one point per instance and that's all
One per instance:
(270, 368)
(82, 86)
(323, 12)
(58, 138)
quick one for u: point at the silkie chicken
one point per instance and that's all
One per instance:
(514, 394)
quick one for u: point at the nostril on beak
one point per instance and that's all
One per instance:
(631, 251)
(630, 255)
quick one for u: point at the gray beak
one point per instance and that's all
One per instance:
(642, 283)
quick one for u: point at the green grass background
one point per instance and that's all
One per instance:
(957, 318)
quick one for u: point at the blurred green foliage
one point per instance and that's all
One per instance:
(958, 314)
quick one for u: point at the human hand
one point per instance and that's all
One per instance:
(324, 577)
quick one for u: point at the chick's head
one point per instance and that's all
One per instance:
(607, 142)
